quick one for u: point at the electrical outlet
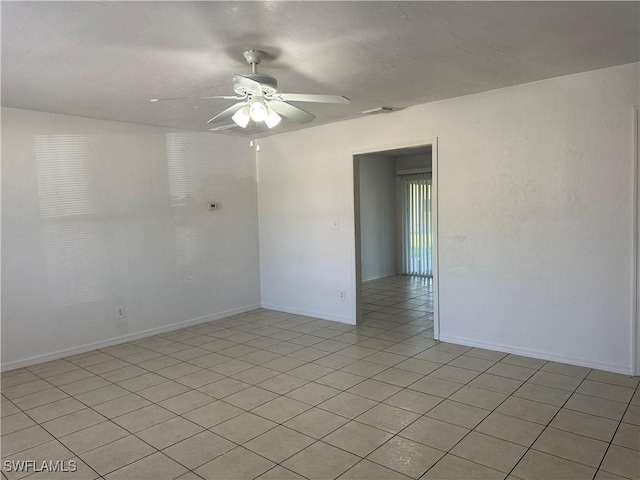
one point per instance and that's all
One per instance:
(121, 312)
(342, 295)
(212, 206)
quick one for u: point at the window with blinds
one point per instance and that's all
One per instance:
(416, 230)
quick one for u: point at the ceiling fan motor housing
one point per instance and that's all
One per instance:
(267, 82)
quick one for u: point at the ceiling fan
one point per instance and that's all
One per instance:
(260, 100)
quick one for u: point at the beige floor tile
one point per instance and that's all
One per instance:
(179, 370)
(15, 422)
(199, 379)
(70, 377)
(122, 405)
(511, 371)
(52, 450)
(606, 390)
(628, 436)
(255, 375)
(281, 409)
(316, 423)
(367, 470)
(25, 389)
(101, 395)
(154, 467)
(347, 405)
(489, 451)
(144, 418)
(223, 388)
(417, 365)
(459, 414)
(596, 406)
(632, 415)
(73, 422)
(156, 362)
(541, 466)
(555, 380)
(398, 377)
(310, 371)
(542, 394)
(364, 368)
(8, 408)
(495, 383)
(185, 402)
(230, 367)
(279, 443)
(321, 461)
(356, 438)
(374, 390)
(451, 467)
(577, 448)
(308, 354)
(454, 374)
(486, 354)
(434, 433)
(413, 401)
(108, 366)
(82, 472)
(387, 418)
(250, 398)
(614, 378)
(279, 473)
(436, 356)
(141, 382)
(622, 461)
(565, 369)
(212, 414)
(199, 449)
(471, 363)
(436, 386)
(528, 410)
(335, 360)
(37, 399)
(584, 424)
(282, 384)
(238, 464)
(602, 475)
(478, 397)
(123, 374)
(405, 456)
(163, 391)
(117, 454)
(243, 428)
(510, 429)
(167, 433)
(93, 437)
(340, 380)
(313, 393)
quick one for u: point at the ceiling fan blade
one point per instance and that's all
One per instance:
(228, 113)
(223, 97)
(248, 84)
(294, 113)
(301, 97)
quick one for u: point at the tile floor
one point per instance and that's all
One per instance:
(272, 395)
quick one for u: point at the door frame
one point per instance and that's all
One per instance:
(635, 167)
(356, 277)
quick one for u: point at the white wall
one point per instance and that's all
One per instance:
(378, 216)
(535, 215)
(98, 214)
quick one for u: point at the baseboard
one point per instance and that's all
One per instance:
(623, 369)
(379, 277)
(308, 313)
(47, 357)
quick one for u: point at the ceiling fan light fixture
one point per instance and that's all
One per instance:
(258, 112)
(242, 117)
(272, 118)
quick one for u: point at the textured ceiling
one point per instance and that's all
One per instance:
(107, 59)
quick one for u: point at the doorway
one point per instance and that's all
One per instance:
(395, 213)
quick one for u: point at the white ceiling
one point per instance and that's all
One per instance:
(107, 59)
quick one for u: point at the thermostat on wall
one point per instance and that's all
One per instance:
(212, 206)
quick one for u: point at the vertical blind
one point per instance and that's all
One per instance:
(415, 192)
